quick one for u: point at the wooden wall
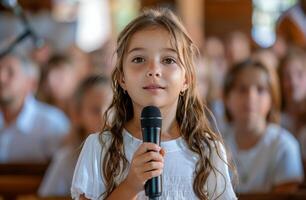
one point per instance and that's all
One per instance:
(33, 5)
(224, 16)
(219, 16)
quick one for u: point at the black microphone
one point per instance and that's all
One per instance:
(151, 122)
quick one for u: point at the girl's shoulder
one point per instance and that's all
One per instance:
(98, 138)
(97, 142)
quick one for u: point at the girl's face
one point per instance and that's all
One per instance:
(93, 105)
(249, 101)
(152, 74)
(294, 81)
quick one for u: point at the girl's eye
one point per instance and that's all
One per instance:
(138, 60)
(261, 89)
(169, 61)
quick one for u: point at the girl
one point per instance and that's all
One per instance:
(154, 67)
(292, 72)
(266, 155)
(91, 99)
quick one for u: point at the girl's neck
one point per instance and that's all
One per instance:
(170, 128)
(247, 136)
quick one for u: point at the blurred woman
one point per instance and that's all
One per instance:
(90, 101)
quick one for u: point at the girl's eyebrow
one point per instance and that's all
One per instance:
(135, 49)
(140, 49)
(170, 49)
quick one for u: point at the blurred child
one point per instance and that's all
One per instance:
(267, 156)
(90, 101)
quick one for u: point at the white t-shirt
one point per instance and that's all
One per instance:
(177, 173)
(275, 159)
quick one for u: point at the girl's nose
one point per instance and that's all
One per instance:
(154, 70)
(150, 73)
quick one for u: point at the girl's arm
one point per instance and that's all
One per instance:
(123, 191)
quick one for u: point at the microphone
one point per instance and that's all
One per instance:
(151, 122)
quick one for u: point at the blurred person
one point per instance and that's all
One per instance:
(216, 68)
(267, 57)
(291, 27)
(266, 155)
(292, 74)
(90, 101)
(58, 82)
(204, 86)
(102, 59)
(215, 61)
(80, 60)
(41, 55)
(237, 47)
(30, 131)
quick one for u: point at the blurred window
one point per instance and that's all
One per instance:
(265, 15)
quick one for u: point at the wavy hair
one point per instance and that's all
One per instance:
(190, 115)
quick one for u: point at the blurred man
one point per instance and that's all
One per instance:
(30, 131)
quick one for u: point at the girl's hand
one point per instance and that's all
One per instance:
(147, 162)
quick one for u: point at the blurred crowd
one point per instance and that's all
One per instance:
(50, 101)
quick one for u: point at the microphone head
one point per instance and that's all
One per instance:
(151, 117)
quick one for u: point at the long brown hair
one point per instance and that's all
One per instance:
(193, 124)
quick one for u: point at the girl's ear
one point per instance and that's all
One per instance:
(122, 82)
(185, 86)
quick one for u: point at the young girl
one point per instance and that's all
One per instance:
(154, 67)
(90, 101)
(266, 155)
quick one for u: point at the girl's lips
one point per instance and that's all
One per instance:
(152, 87)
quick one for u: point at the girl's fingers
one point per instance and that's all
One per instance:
(147, 146)
(150, 156)
(150, 174)
(162, 152)
(150, 166)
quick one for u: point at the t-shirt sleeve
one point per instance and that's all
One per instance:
(288, 166)
(219, 183)
(87, 177)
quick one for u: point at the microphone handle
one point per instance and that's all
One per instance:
(153, 186)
